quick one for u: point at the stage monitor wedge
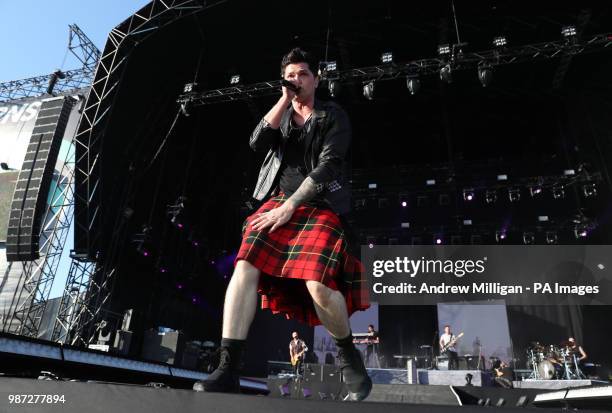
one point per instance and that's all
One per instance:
(32, 189)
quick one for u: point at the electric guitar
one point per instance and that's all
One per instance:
(295, 358)
(451, 343)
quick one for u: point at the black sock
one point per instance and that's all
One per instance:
(235, 349)
(345, 342)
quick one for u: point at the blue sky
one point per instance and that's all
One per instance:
(34, 33)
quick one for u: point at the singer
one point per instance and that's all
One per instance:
(295, 248)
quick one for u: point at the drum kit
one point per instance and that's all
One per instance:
(549, 362)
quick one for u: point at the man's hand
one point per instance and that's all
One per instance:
(274, 218)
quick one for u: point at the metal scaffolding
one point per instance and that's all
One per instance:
(456, 59)
(82, 48)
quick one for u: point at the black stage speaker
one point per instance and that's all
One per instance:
(319, 382)
(163, 347)
(30, 197)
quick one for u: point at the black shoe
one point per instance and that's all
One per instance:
(355, 374)
(225, 379)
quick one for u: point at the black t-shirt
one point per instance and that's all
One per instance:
(373, 337)
(293, 169)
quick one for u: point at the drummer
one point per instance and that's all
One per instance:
(576, 349)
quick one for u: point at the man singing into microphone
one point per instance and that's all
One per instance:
(295, 249)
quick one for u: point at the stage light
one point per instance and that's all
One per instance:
(568, 31)
(372, 186)
(502, 177)
(334, 88)
(580, 231)
(528, 238)
(490, 196)
(234, 80)
(558, 191)
(368, 90)
(467, 222)
(551, 237)
(569, 172)
(535, 190)
(446, 74)
(500, 236)
(405, 225)
(468, 194)
(387, 57)
(190, 88)
(485, 75)
(404, 204)
(331, 66)
(430, 182)
(589, 190)
(500, 41)
(444, 49)
(438, 240)
(413, 84)
(543, 218)
(514, 194)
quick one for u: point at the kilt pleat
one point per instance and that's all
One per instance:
(311, 246)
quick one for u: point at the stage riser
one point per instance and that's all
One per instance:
(455, 377)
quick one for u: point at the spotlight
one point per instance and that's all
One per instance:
(438, 240)
(580, 231)
(485, 75)
(444, 49)
(500, 41)
(190, 88)
(514, 194)
(490, 196)
(404, 204)
(368, 90)
(387, 57)
(551, 237)
(334, 88)
(558, 191)
(446, 74)
(234, 80)
(430, 182)
(528, 238)
(468, 194)
(500, 236)
(329, 66)
(589, 190)
(413, 84)
(535, 190)
(568, 31)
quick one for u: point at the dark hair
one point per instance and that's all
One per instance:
(298, 55)
(371, 325)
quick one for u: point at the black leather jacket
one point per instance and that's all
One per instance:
(327, 141)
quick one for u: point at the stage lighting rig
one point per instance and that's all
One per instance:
(528, 238)
(235, 80)
(551, 237)
(558, 191)
(500, 236)
(568, 31)
(444, 50)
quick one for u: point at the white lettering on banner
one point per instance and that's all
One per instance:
(19, 113)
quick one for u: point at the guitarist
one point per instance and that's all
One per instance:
(447, 347)
(297, 348)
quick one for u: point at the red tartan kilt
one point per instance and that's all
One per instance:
(311, 246)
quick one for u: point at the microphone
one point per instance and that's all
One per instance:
(290, 86)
